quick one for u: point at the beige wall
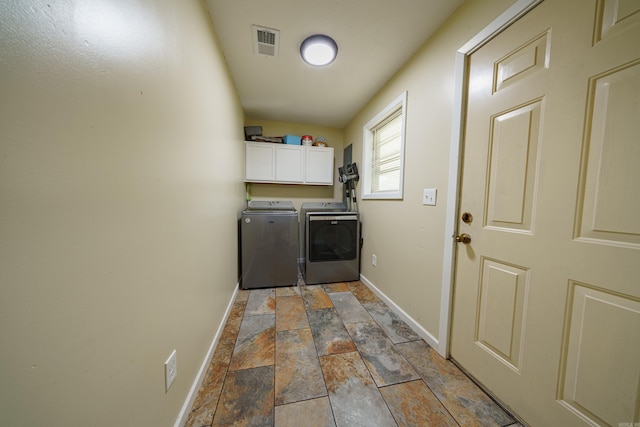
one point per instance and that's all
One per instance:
(120, 185)
(407, 237)
(300, 193)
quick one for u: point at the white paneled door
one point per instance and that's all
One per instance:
(547, 291)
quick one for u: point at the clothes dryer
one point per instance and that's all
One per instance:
(331, 243)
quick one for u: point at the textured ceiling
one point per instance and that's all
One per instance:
(375, 39)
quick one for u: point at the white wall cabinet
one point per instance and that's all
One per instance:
(288, 164)
(259, 162)
(318, 165)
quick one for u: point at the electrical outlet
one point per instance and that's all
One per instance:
(374, 260)
(429, 196)
(170, 370)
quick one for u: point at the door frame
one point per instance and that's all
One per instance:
(508, 17)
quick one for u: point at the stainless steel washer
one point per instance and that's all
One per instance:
(269, 245)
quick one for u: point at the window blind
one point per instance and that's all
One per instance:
(387, 145)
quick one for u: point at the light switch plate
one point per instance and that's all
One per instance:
(170, 370)
(429, 196)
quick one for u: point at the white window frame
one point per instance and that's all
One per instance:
(367, 151)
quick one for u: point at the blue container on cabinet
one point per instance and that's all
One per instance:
(291, 139)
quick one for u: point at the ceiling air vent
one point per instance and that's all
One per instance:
(265, 41)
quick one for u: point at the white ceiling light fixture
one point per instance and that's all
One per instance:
(319, 50)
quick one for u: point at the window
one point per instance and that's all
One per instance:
(383, 152)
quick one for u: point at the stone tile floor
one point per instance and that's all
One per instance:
(331, 355)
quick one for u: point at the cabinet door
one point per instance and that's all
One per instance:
(319, 166)
(289, 163)
(259, 162)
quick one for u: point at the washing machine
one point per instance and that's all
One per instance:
(269, 244)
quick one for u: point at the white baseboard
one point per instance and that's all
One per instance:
(418, 329)
(197, 383)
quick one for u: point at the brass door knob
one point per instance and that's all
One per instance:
(463, 238)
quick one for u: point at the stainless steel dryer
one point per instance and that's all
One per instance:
(308, 207)
(269, 245)
(332, 244)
